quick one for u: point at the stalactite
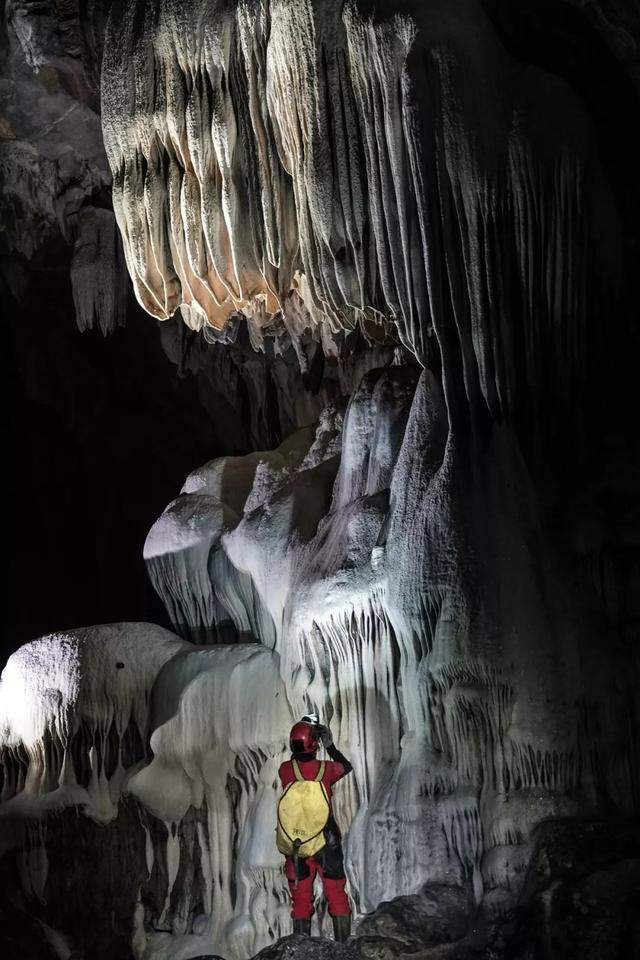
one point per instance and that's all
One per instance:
(366, 174)
(98, 275)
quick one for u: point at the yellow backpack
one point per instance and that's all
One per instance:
(303, 811)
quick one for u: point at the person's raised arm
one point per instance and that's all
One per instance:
(332, 750)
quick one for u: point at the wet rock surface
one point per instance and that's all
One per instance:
(579, 902)
(439, 913)
(53, 910)
(581, 895)
(308, 948)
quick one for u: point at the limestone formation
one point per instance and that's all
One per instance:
(305, 161)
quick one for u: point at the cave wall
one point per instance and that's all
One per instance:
(414, 599)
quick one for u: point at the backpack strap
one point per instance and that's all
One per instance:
(297, 772)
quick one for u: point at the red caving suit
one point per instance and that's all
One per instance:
(328, 862)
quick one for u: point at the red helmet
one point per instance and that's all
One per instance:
(304, 738)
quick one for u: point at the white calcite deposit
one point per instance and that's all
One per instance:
(74, 716)
(461, 706)
(305, 164)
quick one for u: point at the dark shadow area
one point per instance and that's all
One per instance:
(101, 434)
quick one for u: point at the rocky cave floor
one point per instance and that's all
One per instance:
(579, 901)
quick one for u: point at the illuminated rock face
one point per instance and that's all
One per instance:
(367, 558)
(74, 716)
(221, 718)
(298, 160)
(306, 164)
(413, 601)
(195, 735)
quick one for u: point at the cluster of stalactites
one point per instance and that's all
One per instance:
(300, 164)
(240, 161)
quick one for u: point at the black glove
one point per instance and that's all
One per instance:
(325, 735)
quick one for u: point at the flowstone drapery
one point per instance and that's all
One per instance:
(361, 560)
(402, 606)
(82, 713)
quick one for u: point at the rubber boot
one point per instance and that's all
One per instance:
(302, 926)
(342, 927)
